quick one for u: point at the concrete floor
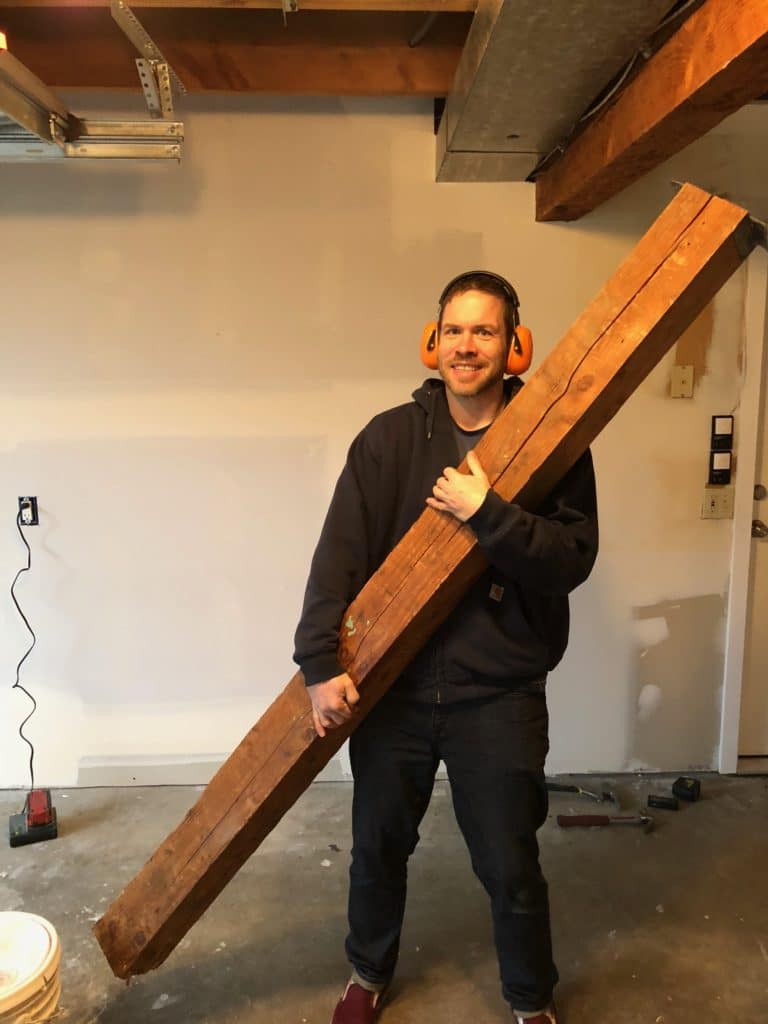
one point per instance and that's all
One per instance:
(668, 927)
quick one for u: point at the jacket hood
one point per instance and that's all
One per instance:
(433, 390)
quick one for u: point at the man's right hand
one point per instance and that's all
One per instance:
(333, 702)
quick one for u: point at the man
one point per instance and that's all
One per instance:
(474, 696)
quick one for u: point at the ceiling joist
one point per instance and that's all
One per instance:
(331, 53)
(715, 63)
(455, 6)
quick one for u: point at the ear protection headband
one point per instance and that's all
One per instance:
(520, 351)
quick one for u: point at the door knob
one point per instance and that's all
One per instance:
(760, 492)
(759, 529)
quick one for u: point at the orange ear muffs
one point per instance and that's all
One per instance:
(520, 351)
(518, 359)
(428, 350)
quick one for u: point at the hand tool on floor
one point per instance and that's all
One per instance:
(666, 803)
(687, 788)
(598, 820)
(36, 822)
(605, 796)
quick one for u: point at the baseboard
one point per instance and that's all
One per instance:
(752, 766)
(177, 770)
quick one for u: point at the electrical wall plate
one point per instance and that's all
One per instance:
(681, 382)
(717, 503)
(28, 512)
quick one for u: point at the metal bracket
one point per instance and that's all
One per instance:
(759, 232)
(28, 102)
(35, 123)
(289, 7)
(155, 79)
(153, 68)
(751, 232)
(112, 140)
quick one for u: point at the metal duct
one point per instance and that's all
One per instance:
(528, 71)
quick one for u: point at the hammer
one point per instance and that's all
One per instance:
(592, 820)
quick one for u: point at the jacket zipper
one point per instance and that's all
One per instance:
(437, 663)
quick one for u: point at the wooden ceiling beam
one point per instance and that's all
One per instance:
(715, 63)
(427, 6)
(317, 53)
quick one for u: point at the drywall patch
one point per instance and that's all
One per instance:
(648, 702)
(648, 632)
(694, 343)
(676, 684)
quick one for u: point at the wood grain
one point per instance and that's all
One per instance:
(332, 53)
(385, 6)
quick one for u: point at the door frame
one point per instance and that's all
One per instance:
(750, 420)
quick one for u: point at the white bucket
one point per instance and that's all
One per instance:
(29, 969)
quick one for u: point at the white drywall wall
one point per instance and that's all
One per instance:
(187, 352)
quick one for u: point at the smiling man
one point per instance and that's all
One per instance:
(474, 697)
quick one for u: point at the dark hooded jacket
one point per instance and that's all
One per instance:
(511, 627)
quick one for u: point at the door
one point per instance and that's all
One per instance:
(753, 730)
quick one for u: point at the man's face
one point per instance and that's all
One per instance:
(472, 347)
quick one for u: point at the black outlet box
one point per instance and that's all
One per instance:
(28, 512)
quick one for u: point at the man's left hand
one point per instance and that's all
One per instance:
(461, 494)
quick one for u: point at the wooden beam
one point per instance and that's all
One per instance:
(318, 53)
(386, 6)
(715, 63)
(690, 251)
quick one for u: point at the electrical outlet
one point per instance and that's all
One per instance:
(717, 503)
(28, 510)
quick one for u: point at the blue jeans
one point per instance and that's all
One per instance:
(494, 750)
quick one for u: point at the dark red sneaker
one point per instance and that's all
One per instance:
(547, 1016)
(357, 1006)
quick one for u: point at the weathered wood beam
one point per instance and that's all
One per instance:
(426, 6)
(715, 63)
(318, 53)
(686, 256)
